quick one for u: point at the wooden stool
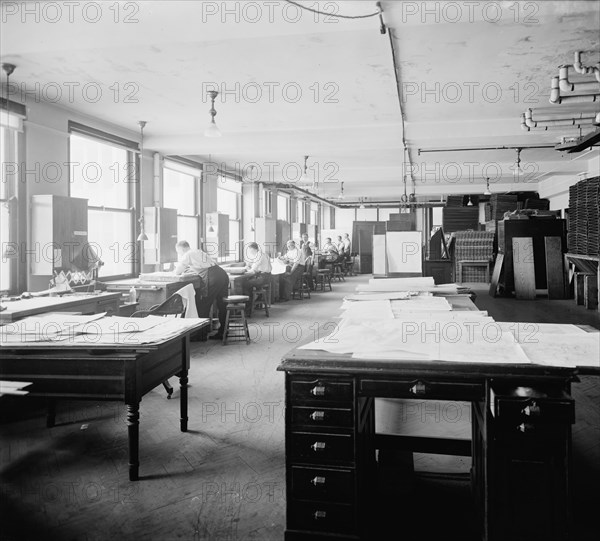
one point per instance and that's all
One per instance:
(236, 325)
(323, 280)
(349, 267)
(337, 272)
(473, 263)
(302, 287)
(260, 297)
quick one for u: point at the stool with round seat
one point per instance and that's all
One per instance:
(337, 271)
(236, 325)
(323, 280)
(260, 299)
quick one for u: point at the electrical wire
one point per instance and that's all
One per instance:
(336, 14)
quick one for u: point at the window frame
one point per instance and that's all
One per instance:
(133, 192)
(222, 182)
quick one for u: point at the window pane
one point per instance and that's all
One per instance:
(300, 211)
(109, 232)
(100, 173)
(282, 207)
(4, 240)
(227, 203)
(187, 229)
(234, 239)
(227, 183)
(179, 192)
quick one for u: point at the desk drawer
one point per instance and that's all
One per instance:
(422, 388)
(323, 484)
(532, 406)
(322, 448)
(322, 390)
(322, 517)
(316, 416)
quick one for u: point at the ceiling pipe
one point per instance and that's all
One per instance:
(558, 122)
(528, 125)
(585, 70)
(555, 96)
(568, 86)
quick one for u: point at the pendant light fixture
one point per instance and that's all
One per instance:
(341, 194)
(487, 187)
(8, 251)
(469, 202)
(142, 236)
(304, 178)
(212, 130)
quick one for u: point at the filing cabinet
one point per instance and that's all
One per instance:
(527, 461)
(322, 430)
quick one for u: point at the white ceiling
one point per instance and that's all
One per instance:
(347, 117)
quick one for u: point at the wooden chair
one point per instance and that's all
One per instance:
(174, 306)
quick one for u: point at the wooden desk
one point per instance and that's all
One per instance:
(85, 303)
(520, 446)
(120, 372)
(151, 293)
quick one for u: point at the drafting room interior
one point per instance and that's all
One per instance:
(422, 363)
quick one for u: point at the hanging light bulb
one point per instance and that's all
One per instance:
(487, 187)
(362, 203)
(341, 194)
(212, 130)
(469, 202)
(304, 178)
(142, 236)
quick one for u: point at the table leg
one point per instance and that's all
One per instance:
(51, 413)
(183, 399)
(133, 429)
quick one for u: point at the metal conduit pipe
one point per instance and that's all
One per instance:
(585, 70)
(568, 86)
(583, 118)
(555, 96)
(556, 125)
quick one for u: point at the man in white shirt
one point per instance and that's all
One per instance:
(258, 270)
(295, 260)
(215, 282)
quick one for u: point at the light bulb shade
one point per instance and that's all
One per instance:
(142, 236)
(212, 130)
(469, 202)
(487, 192)
(211, 229)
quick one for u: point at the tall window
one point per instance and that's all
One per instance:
(180, 191)
(229, 193)
(300, 215)
(282, 207)
(103, 171)
(314, 213)
(10, 127)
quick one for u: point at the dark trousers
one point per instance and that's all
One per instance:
(288, 281)
(217, 283)
(257, 281)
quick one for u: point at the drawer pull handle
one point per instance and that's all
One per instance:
(526, 427)
(317, 415)
(532, 410)
(318, 481)
(320, 515)
(318, 446)
(319, 390)
(419, 388)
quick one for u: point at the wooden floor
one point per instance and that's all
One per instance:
(224, 479)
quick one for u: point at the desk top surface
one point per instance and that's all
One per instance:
(38, 305)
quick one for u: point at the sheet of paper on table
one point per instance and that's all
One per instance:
(367, 310)
(556, 345)
(48, 325)
(13, 387)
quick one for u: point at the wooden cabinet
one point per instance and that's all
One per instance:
(440, 269)
(321, 451)
(59, 234)
(537, 229)
(161, 228)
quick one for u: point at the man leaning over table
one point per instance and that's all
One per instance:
(215, 282)
(258, 270)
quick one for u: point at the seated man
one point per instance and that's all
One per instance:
(215, 282)
(294, 260)
(258, 271)
(330, 253)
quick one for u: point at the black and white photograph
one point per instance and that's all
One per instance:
(299, 270)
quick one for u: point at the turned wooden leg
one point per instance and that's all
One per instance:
(51, 413)
(183, 399)
(133, 429)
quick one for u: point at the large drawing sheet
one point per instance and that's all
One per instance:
(379, 255)
(404, 251)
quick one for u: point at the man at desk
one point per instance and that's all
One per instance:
(214, 278)
(258, 270)
(293, 258)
